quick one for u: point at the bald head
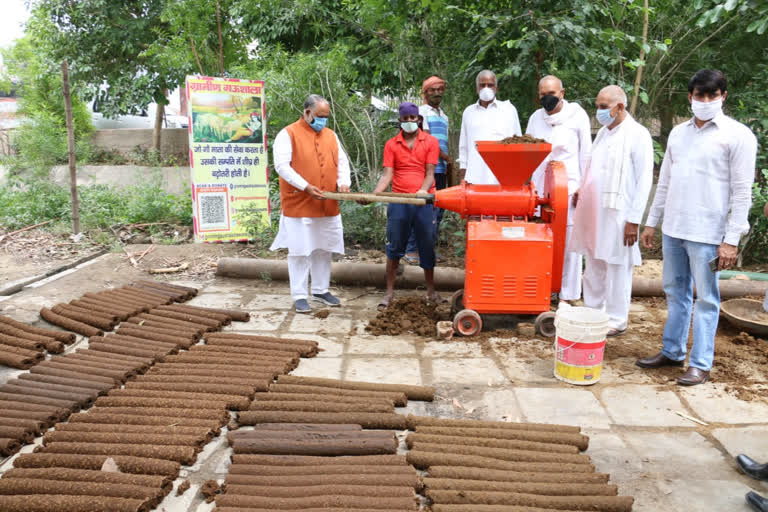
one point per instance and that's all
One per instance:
(551, 83)
(612, 95)
(611, 105)
(551, 94)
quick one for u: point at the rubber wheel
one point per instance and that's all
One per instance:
(457, 301)
(467, 322)
(545, 324)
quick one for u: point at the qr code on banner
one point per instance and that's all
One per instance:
(213, 210)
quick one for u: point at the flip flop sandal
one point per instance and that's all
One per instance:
(436, 298)
(384, 303)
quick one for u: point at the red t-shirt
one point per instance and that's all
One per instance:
(410, 165)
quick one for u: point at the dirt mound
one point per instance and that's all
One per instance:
(524, 139)
(412, 315)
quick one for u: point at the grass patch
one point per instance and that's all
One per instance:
(101, 206)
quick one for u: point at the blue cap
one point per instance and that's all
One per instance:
(407, 108)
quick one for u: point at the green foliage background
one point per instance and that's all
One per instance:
(350, 50)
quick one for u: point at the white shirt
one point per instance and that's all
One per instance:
(303, 235)
(599, 231)
(496, 122)
(570, 134)
(705, 186)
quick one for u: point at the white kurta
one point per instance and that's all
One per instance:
(598, 231)
(570, 134)
(303, 235)
(496, 122)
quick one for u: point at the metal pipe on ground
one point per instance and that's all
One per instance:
(371, 274)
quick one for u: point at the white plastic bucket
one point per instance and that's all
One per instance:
(579, 344)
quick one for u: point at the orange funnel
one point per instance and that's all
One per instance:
(513, 164)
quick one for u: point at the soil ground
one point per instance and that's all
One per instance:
(670, 447)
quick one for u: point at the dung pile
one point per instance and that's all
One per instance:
(524, 139)
(409, 315)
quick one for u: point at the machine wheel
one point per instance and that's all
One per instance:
(457, 301)
(545, 324)
(467, 322)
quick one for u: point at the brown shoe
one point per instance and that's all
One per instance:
(693, 376)
(657, 361)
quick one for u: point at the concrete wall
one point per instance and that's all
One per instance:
(173, 141)
(175, 180)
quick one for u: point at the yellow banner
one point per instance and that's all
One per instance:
(227, 156)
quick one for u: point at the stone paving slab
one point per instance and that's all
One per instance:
(384, 345)
(695, 494)
(679, 455)
(452, 349)
(752, 441)
(401, 370)
(711, 403)
(323, 367)
(336, 323)
(261, 322)
(270, 301)
(666, 462)
(501, 405)
(646, 406)
(577, 407)
(610, 453)
(474, 370)
(217, 300)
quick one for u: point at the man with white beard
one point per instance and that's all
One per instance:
(566, 126)
(610, 205)
(310, 160)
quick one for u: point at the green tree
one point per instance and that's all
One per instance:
(41, 140)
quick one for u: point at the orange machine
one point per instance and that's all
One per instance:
(514, 260)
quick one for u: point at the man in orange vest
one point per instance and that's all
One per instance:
(309, 159)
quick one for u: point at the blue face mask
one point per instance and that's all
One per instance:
(318, 123)
(604, 116)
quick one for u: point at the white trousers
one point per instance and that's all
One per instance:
(318, 263)
(608, 288)
(571, 287)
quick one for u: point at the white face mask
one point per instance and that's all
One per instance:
(486, 94)
(706, 110)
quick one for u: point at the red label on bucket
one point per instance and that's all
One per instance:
(580, 354)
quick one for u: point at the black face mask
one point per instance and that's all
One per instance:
(549, 102)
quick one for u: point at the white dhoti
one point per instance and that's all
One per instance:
(608, 287)
(613, 194)
(311, 242)
(569, 133)
(572, 263)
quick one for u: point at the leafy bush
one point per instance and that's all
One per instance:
(41, 143)
(752, 109)
(24, 206)
(41, 140)
(101, 206)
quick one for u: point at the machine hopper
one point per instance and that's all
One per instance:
(512, 164)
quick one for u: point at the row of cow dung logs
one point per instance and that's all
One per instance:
(160, 421)
(95, 313)
(23, 346)
(313, 466)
